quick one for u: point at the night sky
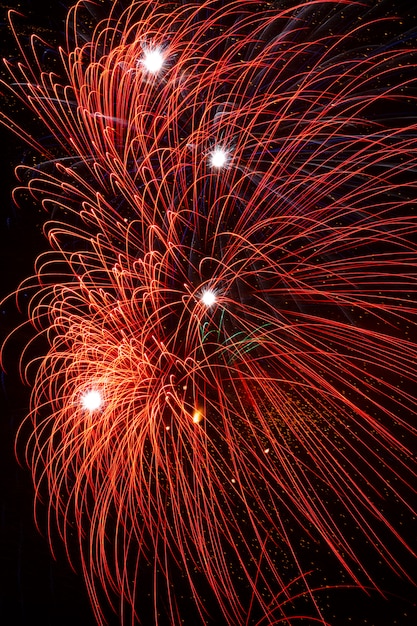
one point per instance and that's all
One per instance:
(35, 589)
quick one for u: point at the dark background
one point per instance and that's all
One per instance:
(35, 589)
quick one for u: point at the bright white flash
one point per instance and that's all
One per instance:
(208, 297)
(218, 157)
(92, 400)
(153, 60)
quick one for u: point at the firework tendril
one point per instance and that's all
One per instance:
(229, 303)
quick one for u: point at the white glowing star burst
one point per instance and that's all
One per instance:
(218, 158)
(208, 297)
(92, 400)
(153, 60)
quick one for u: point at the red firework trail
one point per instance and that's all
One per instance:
(229, 302)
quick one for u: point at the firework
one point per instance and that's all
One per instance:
(229, 303)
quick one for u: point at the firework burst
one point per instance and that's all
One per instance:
(229, 302)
